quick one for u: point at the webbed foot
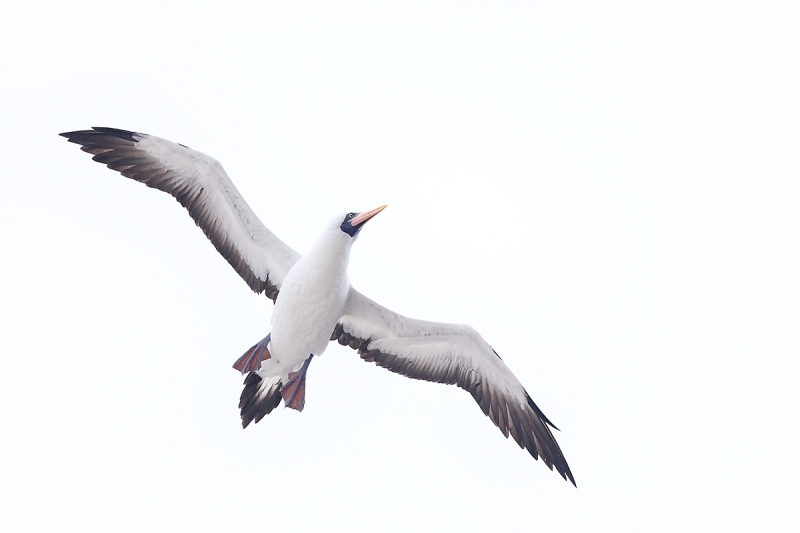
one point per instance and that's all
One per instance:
(251, 360)
(294, 390)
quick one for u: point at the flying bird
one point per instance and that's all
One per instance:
(314, 300)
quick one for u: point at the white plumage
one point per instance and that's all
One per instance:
(314, 301)
(311, 301)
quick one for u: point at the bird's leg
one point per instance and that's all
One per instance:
(294, 390)
(251, 360)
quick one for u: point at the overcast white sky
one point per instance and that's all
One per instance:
(608, 193)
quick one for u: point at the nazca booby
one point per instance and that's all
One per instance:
(314, 301)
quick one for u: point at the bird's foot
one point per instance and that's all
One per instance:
(294, 390)
(251, 360)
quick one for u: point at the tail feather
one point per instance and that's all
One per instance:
(259, 398)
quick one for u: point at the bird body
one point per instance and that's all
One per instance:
(311, 300)
(314, 301)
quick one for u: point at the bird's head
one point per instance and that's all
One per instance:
(353, 222)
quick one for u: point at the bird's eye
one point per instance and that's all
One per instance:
(350, 215)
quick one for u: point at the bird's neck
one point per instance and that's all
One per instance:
(332, 250)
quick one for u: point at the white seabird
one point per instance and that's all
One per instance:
(313, 297)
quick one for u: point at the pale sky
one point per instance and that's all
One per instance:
(608, 192)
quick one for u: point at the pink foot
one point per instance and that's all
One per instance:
(251, 360)
(294, 390)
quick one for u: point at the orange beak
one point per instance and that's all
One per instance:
(366, 215)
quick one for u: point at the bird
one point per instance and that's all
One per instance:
(314, 300)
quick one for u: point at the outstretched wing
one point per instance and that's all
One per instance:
(200, 184)
(452, 354)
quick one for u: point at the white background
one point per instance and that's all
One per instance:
(608, 192)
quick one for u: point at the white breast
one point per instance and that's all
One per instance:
(311, 301)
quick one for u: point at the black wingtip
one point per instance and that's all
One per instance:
(567, 474)
(122, 134)
(539, 412)
(130, 136)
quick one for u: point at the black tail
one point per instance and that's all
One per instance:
(258, 398)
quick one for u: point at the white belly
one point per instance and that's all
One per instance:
(309, 305)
